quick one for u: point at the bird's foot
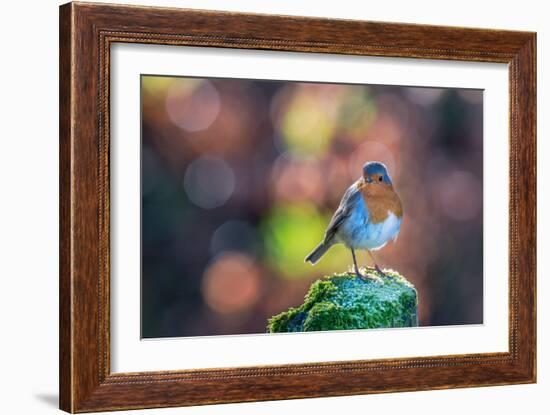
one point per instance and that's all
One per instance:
(364, 277)
(379, 271)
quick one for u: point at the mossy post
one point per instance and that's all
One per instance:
(345, 302)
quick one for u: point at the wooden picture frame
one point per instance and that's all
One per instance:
(86, 33)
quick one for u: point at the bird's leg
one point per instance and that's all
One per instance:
(355, 264)
(363, 277)
(376, 267)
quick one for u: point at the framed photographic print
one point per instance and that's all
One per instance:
(260, 207)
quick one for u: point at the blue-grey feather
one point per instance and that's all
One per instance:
(351, 198)
(375, 167)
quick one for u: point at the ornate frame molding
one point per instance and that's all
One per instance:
(86, 34)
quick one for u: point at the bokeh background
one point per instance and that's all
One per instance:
(241, 177)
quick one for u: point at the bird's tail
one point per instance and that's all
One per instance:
(317, 253)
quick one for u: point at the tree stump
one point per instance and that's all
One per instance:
(346, 302)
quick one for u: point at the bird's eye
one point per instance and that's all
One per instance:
(380, 178)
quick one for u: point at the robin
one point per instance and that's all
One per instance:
(369, 216)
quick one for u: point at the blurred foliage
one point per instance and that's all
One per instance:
(287, 230)
(241, 177)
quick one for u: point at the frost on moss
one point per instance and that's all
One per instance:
(344, 302)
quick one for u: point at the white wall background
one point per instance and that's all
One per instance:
(29, 207)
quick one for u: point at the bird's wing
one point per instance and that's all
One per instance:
(348, 202)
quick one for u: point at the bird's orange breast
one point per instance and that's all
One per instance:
(380, 199)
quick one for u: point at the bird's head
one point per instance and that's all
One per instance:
(375, 172)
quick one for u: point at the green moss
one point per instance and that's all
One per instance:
(344, 302)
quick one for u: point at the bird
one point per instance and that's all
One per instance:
(368, 217)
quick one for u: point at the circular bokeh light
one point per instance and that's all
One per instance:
(209, 182)
(191, 105)
(231, 283)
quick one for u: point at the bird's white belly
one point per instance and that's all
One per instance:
(359, 233)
